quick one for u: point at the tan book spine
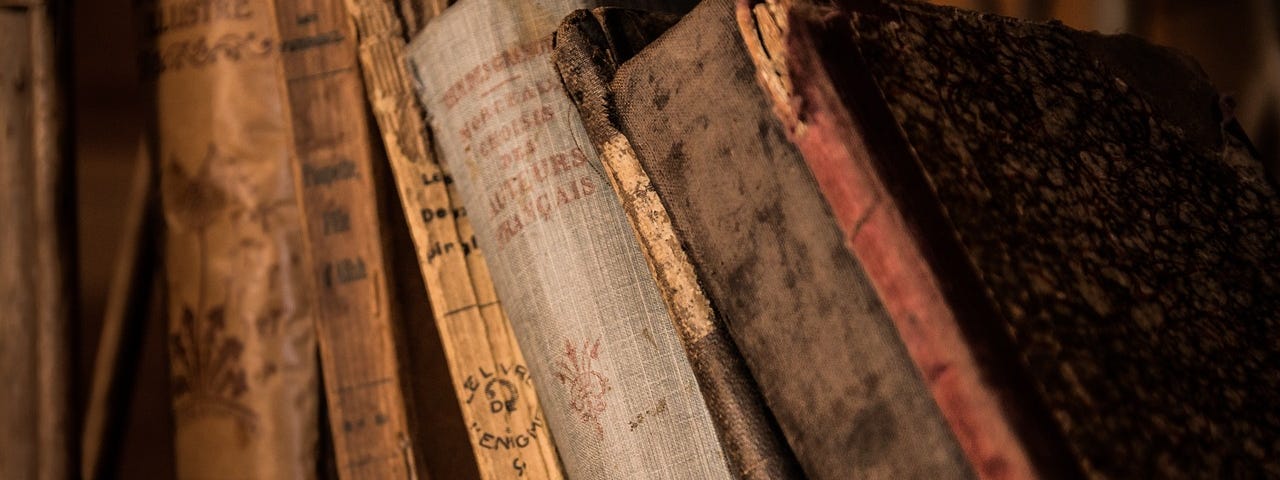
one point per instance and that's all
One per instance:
(34, 250)
(333, 170)
(500, 407)
(242, 335)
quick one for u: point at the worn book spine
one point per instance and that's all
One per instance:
(333, 171)
(763, 248)
(617, 386)
(1133, 224)
(588, 46)
(500, 407)
(35, 250)
(241, 330)
(875, 230)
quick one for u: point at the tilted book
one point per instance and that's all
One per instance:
(614, 381)
(498, 408)
(333, 170)
(684, 122)
(1078, 254)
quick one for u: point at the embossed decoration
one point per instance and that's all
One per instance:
(587, 386)
(200, 52)
(208, 377)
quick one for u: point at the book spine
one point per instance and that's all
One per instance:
(241, 332)
(35, 259)
(618, 389)
(500, 407)
(782, 43)
(753, 445)
(333, 171)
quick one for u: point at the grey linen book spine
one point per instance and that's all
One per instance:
(615, 383)
(767, 251)
(589, 43)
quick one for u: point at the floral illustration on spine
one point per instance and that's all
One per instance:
(587, 386)
(200, 52)
(208, 369)
(208, 377)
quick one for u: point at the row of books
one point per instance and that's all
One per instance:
(716, 239)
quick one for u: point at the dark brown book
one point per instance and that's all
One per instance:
(683, 121)
(1078, 254)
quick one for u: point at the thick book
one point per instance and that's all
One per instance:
(615, 383)
(684, 120)
(1078, 253)
(37, 261)
(241, 326)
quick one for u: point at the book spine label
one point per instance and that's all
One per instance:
(618, 389)
(491, 379)
(241, 335)
(334, 174)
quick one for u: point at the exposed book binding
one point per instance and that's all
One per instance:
(1077, 255)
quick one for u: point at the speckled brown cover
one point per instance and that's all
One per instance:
(1108, 255)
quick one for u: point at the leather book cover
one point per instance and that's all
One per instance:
(1077, 252)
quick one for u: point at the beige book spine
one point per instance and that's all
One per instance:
(34, 250)
(333, 169)
(241, 329)
(500, 407)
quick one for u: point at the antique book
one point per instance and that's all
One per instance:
(334, 174)
(241, 331)
(1077, 254)
(588, 45)
(688, 137)
(36, 247)
(616, 385)
(500, 408)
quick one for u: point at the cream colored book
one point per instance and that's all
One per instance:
(241, 323)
